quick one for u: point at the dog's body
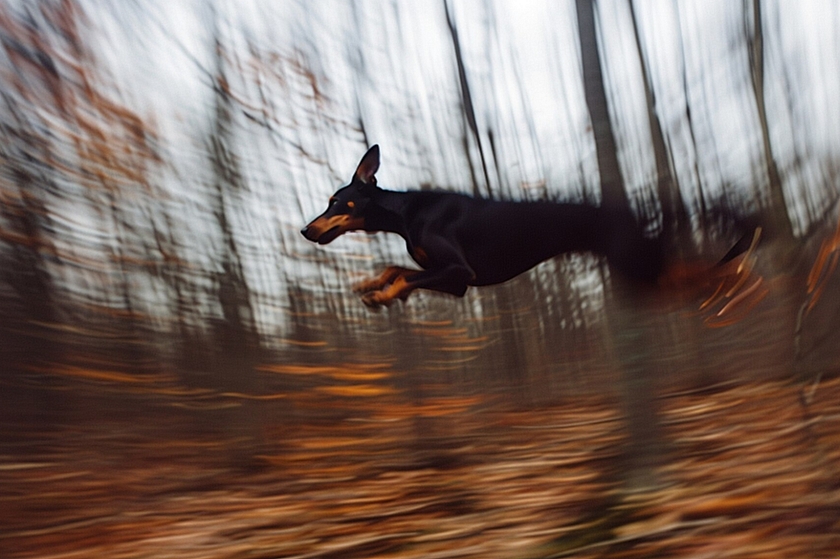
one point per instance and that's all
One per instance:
(460, 241)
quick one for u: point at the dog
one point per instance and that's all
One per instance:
(461, 241)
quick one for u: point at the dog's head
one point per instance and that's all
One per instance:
(346, 209)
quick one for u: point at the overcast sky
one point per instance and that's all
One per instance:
(392, 64)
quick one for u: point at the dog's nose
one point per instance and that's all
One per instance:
(308, 233)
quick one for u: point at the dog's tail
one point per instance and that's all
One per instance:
(730, 286)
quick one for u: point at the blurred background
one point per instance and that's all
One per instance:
(183, 372)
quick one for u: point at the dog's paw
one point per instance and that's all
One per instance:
(371, 300)
(367, 286)
(377, 299)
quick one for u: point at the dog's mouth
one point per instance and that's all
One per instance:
(325, 230)
(320, 236)
(329, 235)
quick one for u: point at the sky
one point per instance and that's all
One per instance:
(391, 64)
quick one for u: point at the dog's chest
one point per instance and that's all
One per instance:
(418, 254)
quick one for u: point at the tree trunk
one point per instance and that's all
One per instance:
(675, 223)
(627, 306)
(612, 185)
(778, 207)
(467, 105)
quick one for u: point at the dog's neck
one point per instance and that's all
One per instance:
(385, 211)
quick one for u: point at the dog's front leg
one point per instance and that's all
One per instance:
(396, 287)
(384, 279)
(452, 279)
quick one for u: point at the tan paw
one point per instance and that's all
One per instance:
(376, 299)
(367, 286)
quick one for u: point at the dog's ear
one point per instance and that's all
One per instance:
(368, 166)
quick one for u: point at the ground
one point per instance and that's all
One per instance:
(357, 469)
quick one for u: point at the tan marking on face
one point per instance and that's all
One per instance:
(344, 222)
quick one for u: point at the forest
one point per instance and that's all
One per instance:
(184, 374)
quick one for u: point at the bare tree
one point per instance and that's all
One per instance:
(674, 217)
(237, 330)
(467, 105)
(612, 184)
(626, 308)
(755, 42)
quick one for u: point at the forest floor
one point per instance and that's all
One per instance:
(368, 474)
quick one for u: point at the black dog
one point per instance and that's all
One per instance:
(461, 241)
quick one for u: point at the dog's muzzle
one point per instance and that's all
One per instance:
(324, 230)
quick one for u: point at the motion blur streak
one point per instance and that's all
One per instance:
(182, 374)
